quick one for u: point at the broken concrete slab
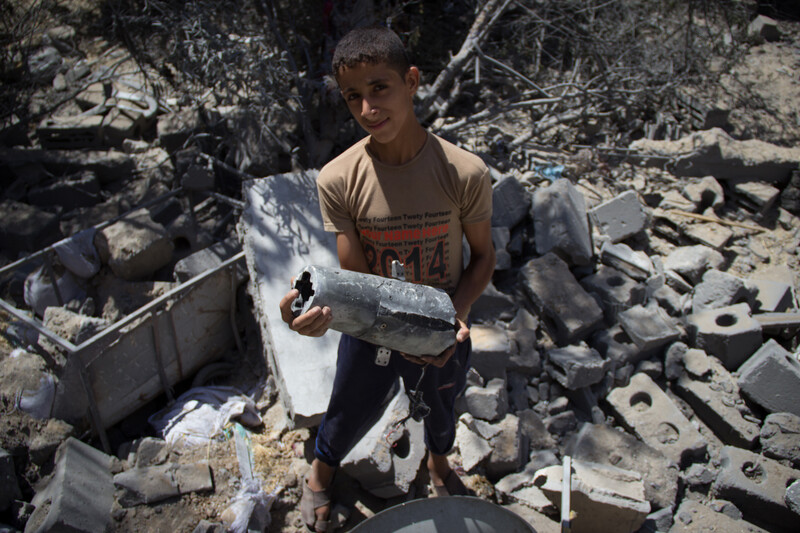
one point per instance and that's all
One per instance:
(493, 305)
(135, 246)
(771, 378)
(694, 517)
(756, 485)
(714, 397)
(561, 223)
(557, 295)
(705, 193)
(509, 448)
(487, 403)
(576, 366)
(621, 217)
(772, 296)
(715, 153)
(614, 344)
(710, 234)
(649, 413)
(649, 326)
(80, 494)
(691, 262)
(597, 443)
(780, 437)
(472, 447)
(387, 465)
(615, 290)
(511, 202)
(756, 195)
(604, 499)
(729, 333)
(207, 259)
(720, 289)
(282, 232)
(635, 264)
(151, 484)
(491, 349)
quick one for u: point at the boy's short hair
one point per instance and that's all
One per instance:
(370, 45)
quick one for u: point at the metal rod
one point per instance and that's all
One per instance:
(162, 374)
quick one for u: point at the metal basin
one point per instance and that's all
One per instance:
(455, 514)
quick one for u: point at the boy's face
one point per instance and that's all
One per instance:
(380, 99)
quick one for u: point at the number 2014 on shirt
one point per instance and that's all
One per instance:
(436, 269)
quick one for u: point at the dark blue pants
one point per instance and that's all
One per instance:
(360, 388)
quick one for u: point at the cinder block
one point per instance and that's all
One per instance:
(714, 397)
(780, 437)
(558, 296)
(152, 484)
(387, 471)
(649, 413)
(615, 290)
(560, 222)
(135, 246)
(720, 289)
(601, 444)
(649, 327)
(491, 349)
(637, 265)
(489, 402)
(771, 378)
(576, 366)
(511, 201)
(694, 517)
(207, 259)
(729, 333)
(756, 485)
(605, 499)
(621, 217)
(79, 496)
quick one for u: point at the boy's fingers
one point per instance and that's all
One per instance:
(286, 305)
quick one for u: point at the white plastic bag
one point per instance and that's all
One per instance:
(78, 254)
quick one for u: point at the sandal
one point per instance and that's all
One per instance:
(309, 503)
(453, 486)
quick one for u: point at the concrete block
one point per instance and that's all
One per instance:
(729, 333)
(382, 470)
(500, 239)
(649, 413)
(704, 193)
(599, 443)
(9, 486)
(757, 486)
(517, 386)
(691, 262)
(150, 484)
(720, 289)
(472, 447)
(509, 448)
(560, 222)
(576, 366)
(715, 398)
(539, 521)
(694, 517)
(206, 259)
(709, 234)
(135, 246)
(79, 495)
(511, 202)
(792, 497)
(780, 437)
(561, 424)
(649, 327)
(149, 451)
(759, 196)
(670, 300)
(636, 265)
(45, 442)
(660, 520)
(615, 345)
(697, 476)
(558, 296)
(621, 217)
(772, 296)
(493, 305)
(526, 358)
(771, 378)
(534, 430)
(605, 499)
(491, 349)
(764, 27)
(26, 228)
(489, 402)
(614, 289)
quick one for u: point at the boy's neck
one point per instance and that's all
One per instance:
(402, 148)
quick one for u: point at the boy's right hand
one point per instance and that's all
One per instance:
(312, 323)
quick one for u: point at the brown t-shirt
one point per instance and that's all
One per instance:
(412, 212)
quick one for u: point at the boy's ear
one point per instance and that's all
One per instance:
(412, 79)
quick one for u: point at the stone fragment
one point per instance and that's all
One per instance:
(491, 349)
(599, 443)
(605, 499)
(757, 486)
(615, 290)
(539, 521)
(764, 27)
(44, 443)
(760, 197)
(771, 378)
(657, 521)
(382, 470)
(502, 257)
(511, 202)
(493, 305)
(670, 300)
(534, 430)
(526, 359)
(772, 296)
(560, 222)
(621, 217)
(710, 234)
(487, 403)
(694, 517)
(135, 246)
(729, 333)
(145, 485)
(509, 448)
(780, 437)
(576, 366)
(697, 476)
(44, 64)
(79, 496)
(720, 289)
(644, 408)
(705, 193)
(790, 197)
(674, 360)
(558, 296)
(714, 397)
(636, 265)
(26, 228)
(149, 451)
(561, 424)
(615, 345)
(674, 200)
(205, 260)
(9, 486)
(691, 262)
(792, 497)
(471, 446)
(649, 327)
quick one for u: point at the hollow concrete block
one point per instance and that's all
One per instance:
(757, 486)
(649, 413)
(649, 326)
(615, 290)
(729, 333)
(780, 437)
(576, 366)
(614, 344)
(771, 378)
(621, 217)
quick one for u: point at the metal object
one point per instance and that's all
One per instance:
(454, 514)
(566, 492)
(411, 318)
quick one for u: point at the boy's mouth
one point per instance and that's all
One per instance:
(376, 125)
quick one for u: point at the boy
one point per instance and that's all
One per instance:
(403, 194)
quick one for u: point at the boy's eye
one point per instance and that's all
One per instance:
(352, 96)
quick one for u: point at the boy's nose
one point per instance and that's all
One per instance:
(367, 109)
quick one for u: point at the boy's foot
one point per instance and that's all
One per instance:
(453, 486)
(315, 506)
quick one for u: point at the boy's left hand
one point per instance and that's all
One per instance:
(441, 359)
